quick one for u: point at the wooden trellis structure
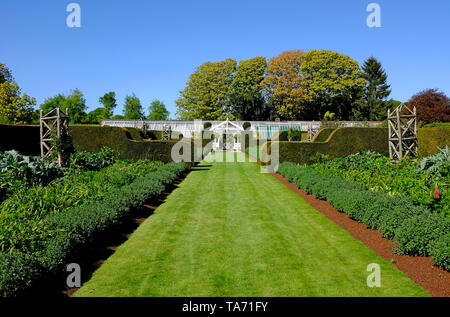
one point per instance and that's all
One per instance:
(51, 127)
(402, 127)
(311, 132)
(167, 132)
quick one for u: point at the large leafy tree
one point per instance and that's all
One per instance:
(15, 108)
(431, 105)
(206, 95)
(74, 102)
(376, 92)
(333, 83)
(133, 108)
(5, 74)
(109, 103)
(246, 96)
(284, 85)
(158, 111)
(97, 115)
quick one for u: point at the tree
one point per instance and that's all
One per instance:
(246, 96)
(14, 107)
(109, 103)
(133, 108)
(97, 115)
(333, 82)
(431, 105)
(5, 74)
(207, 92)
(74, 102)
(284, 85)
(158, 111)
(374, 107)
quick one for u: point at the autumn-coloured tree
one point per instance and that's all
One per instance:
(207, 93)
(333, 82)
(431, 105)
(246, 96)
(284, 84)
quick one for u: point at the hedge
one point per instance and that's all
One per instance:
(413, 229)
(340, 143)
(430, 139)
(78, 228)
(322, 135)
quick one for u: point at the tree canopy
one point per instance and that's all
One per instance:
(133, 108)
(246, 94)
(431, 105)
(158, 111)
(108, 101)
(74, 102)
(376, 91)
(333, 82)
(15, 108)
(207, 92)
(284, 84)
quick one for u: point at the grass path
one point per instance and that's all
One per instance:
(229, 230)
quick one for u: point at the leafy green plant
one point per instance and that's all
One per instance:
(94, 161)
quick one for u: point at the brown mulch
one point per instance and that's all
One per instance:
(420, 269)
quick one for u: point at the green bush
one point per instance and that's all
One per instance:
(89, 161)
(430, 140)
(74, 229)
(414, 235)
(246, 125)
(18, 273)
(440, 251)
(207, 125)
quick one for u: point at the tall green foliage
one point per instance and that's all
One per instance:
(158, 111)
(109, 103)
(374, 107)
(246, 96)
(133, 108)
(74, 102)
(206, 95)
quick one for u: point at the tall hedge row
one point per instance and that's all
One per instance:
(413, 229)
(430, 139)
(341, 142)
(77, 228)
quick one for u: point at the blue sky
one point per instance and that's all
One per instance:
(151, 47)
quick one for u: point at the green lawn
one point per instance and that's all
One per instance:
(230, 230)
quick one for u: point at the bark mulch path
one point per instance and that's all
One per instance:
(420, 269)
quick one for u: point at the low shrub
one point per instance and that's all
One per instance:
(440, 251)
(415, 234)
(90, 161)
(74, 229)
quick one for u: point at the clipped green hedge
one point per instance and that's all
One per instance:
(414, 230)
(430, 139)
(77, 228)
(323, 134)
(341, 142)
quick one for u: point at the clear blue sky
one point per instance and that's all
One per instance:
(151, 47)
